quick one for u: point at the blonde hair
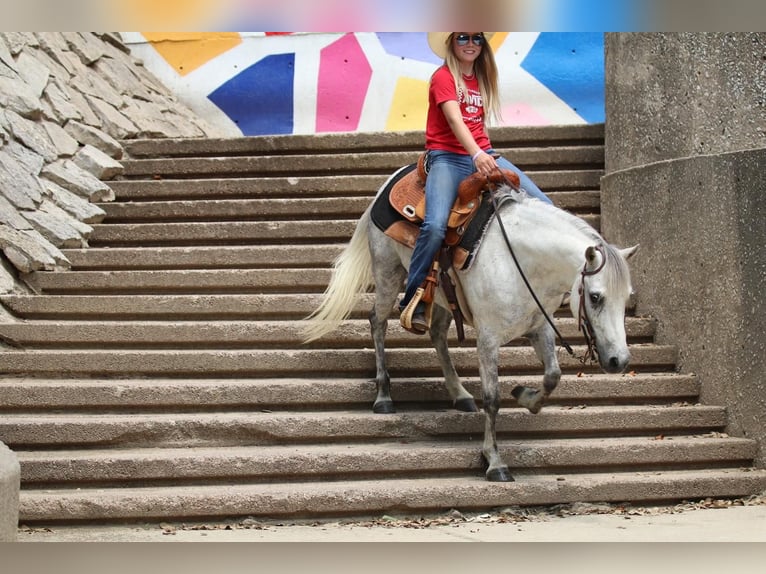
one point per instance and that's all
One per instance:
(485, 70)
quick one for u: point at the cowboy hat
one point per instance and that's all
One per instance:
(438, 42)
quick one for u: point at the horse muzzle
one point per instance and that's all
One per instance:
(614, 363)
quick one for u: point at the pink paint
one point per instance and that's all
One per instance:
(344, 77)
(519, 114)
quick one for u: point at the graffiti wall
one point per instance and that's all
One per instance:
(260, 83)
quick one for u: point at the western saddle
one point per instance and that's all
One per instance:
(408, 198)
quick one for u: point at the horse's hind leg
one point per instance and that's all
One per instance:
(461, 398)
(389, 278)
(497, 470)
(544, 343)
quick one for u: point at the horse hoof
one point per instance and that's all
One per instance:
(466, 405)
(528, 397)
(383, 408)
(500, 474)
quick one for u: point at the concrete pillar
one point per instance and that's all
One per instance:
(10, 480)
(685, 155)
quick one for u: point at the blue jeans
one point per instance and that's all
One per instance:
(445, 172)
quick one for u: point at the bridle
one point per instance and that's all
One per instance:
(583, 321)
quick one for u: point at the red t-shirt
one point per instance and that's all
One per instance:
(439, 135)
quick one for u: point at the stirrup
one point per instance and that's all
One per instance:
(406, 316)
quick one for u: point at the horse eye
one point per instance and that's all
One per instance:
(595, 298)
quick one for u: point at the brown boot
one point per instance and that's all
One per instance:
(418, 322)
(413, 317)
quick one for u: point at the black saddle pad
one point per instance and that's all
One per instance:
(383, 214)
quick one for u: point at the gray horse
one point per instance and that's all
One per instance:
(557, 251)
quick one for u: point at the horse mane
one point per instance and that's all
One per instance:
(616, 270)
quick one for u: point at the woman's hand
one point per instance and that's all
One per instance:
(485, 163)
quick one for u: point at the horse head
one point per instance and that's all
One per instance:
(599, 295)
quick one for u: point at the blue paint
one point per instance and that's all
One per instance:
(571, 65)
(412, 45)
(593, 15)
(260, 99)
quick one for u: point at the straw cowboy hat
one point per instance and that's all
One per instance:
(438, 42)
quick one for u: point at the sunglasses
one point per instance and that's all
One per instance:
(462, 39)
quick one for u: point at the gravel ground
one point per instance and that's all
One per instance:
(600, 518)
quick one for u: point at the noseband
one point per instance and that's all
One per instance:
(583, 321)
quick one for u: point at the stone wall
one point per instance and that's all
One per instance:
(685, 150)
(66, 101)
(683, 95)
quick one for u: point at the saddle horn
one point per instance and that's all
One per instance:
(471, 187)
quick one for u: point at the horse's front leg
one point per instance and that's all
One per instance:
(461, 398)
(544, 343)
(497, 470)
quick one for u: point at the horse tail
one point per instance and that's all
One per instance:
(351, 275)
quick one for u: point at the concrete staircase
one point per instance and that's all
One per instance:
(163, 377)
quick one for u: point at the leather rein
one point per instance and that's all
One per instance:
(583, 321)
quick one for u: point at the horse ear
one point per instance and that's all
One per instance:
(629, 252)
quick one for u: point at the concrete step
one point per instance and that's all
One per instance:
(204, 257)
(275, 232)
(179, 394)
(298, 362)
(318, 208)
(178, 429)
(246, 334)
(172, 307)
(237, 464)
(139, 190)
(311, 208)
(233, 280)
(335, 185)
(375, 497)
(200, 281)
(278, 306)
(351, 162)
(352, 141)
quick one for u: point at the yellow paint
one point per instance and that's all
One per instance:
(187, 51)
(409, 107)
(497, 40)
(165, 14)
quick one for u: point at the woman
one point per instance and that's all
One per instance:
(462, 96)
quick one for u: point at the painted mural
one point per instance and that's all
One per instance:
(258, 83)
